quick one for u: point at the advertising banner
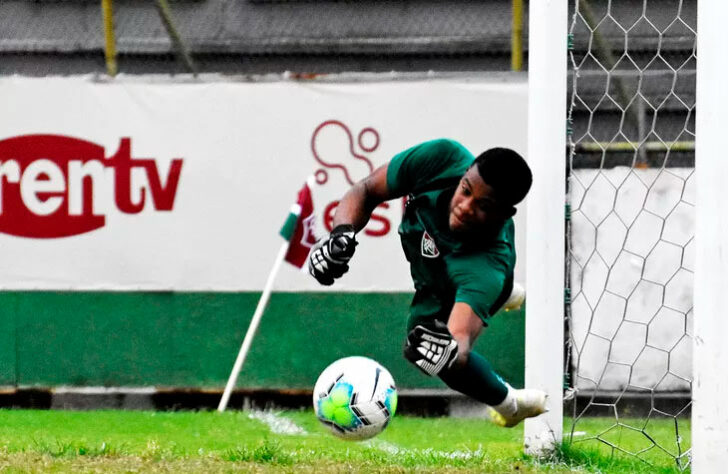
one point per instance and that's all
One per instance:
(162, 185)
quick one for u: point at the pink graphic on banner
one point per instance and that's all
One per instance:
(367, 140)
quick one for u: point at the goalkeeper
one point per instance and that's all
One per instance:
(457, 234)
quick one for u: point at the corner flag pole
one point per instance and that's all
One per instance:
(252, 328)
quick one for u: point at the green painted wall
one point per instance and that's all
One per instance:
(191, 339)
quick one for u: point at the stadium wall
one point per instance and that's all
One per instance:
(190, 340)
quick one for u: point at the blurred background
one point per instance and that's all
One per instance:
(254, 37)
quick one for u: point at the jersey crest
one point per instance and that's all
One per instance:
(428, 247)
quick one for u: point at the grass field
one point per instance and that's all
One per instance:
(294, 441)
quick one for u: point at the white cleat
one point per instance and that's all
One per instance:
(525, 403)
(515, 301)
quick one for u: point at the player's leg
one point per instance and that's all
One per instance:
(445, 350)
(434, 350)
(430, 344)
(516, 298)
(472, 375)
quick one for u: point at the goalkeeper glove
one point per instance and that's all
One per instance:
(431, 350)
(330, 257)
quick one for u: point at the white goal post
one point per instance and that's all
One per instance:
(710, 351)
(547, 76)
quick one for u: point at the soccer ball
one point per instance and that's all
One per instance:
(355, 397)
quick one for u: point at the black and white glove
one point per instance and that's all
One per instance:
(432, 350)
(330, 257)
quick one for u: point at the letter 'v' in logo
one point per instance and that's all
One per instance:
(428, 247)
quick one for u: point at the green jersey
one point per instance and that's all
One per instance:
(447, 268)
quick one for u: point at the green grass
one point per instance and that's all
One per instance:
(119, 441)
(652, 442)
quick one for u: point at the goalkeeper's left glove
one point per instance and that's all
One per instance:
(431, 350)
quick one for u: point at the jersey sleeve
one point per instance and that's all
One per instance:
(423, 166)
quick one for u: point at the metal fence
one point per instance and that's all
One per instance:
(238, 36)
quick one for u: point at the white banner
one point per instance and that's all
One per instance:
(136, 185)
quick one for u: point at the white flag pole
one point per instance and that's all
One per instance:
(252, 328)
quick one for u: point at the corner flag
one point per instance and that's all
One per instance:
(300, 237)
(298, 229)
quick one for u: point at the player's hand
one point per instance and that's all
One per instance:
(330, 257)
(432, 350)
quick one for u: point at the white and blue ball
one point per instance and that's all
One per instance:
(355, 397)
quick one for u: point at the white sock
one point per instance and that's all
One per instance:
(509, 406)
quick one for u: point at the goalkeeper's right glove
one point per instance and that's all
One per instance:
(330, 257)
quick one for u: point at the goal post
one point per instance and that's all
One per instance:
(547, 79)
(646, 221)
(710, 353)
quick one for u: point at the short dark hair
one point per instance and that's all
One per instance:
(506, 172)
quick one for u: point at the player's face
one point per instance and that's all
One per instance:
(473, 206)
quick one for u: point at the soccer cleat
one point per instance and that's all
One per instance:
(515, 301)
(525, 403)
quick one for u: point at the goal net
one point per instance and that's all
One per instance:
(630, 227)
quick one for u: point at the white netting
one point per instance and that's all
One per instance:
(630, 225)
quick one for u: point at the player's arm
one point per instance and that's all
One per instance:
(357, 205)
(465, 327)
(411, 170)
(329, 259)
